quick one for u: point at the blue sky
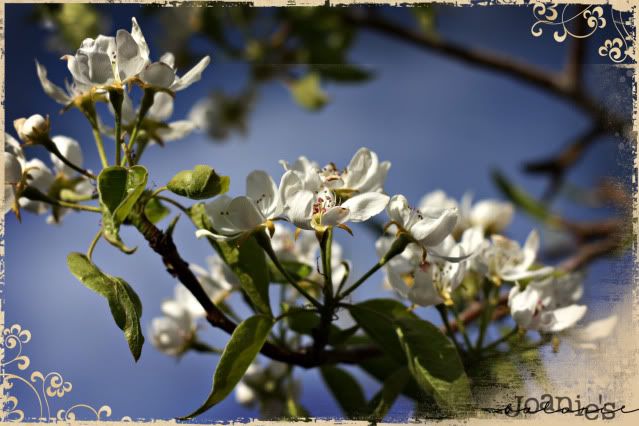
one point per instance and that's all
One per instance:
(442, 125)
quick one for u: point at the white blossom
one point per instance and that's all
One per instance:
(33, 128)
(428, 226)
(548, 305)
(172, 332)
(232, 217)
(506, 260)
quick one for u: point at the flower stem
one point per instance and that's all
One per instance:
(53, 149)
(93, 244)
(118, 137)
(444, 314)
(145, 105)
(398, 246)
(485, 315)
(462, 328)
(100, 145)
(502, 339)
(79, 207)
(265, 242)
(363, 278)
(185, 210)
(326, 243)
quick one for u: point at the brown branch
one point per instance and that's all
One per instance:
(587, 253)
(574, 70)
(557, 166)
(548, 82)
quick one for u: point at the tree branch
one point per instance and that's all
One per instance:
(551, 83)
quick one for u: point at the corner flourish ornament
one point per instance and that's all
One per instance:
(44, 387)
(617, 49)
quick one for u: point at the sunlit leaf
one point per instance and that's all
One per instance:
(244, 345)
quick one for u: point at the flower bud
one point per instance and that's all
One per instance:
(33, 130)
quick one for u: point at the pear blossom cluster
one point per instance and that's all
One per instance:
(432, 254)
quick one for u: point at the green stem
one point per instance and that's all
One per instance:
(202, 347)
(93, 244)
(100, 145)
(265, 242)
(141, 147)
(157, 191)
(80, 207)
(462, 329)
(502, 339)
(444, 314)
(326, 244)
(398, 246)
(53, 149)
(145, 105)
(363, 278)
(185, 210)
(118, 137)
(485, 315)
(345, 278)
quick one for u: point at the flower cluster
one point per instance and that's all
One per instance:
(308, 196)
(61, 182)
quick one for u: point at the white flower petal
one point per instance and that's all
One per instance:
(423, 292)
(566, 317)
(261, 188)
(364, 206)
(300, 209)
(435, 226)
(130, 60)
(399, 210)
(162, 107)
(137, 35)
(218, 212)
(517, 275)
(158, 74)
(70, 149)
(363, 162)
(169, 59)
(53, 91)
(523, 305)
(176, 130)
(530, 249)
(335, 216)
(244, 214)
(193, 75)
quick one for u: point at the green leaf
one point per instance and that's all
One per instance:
(307, 92)
(244, 345)
(344, 73)
(434, 363)
(155, 211)
(376, 317)
(119, 189)
(347, 392)
(305, 322)
(385, 398)
(124, 303)
(200, 183)
(522, 199)
(248, 262)
(297, 270)
(382, 367)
